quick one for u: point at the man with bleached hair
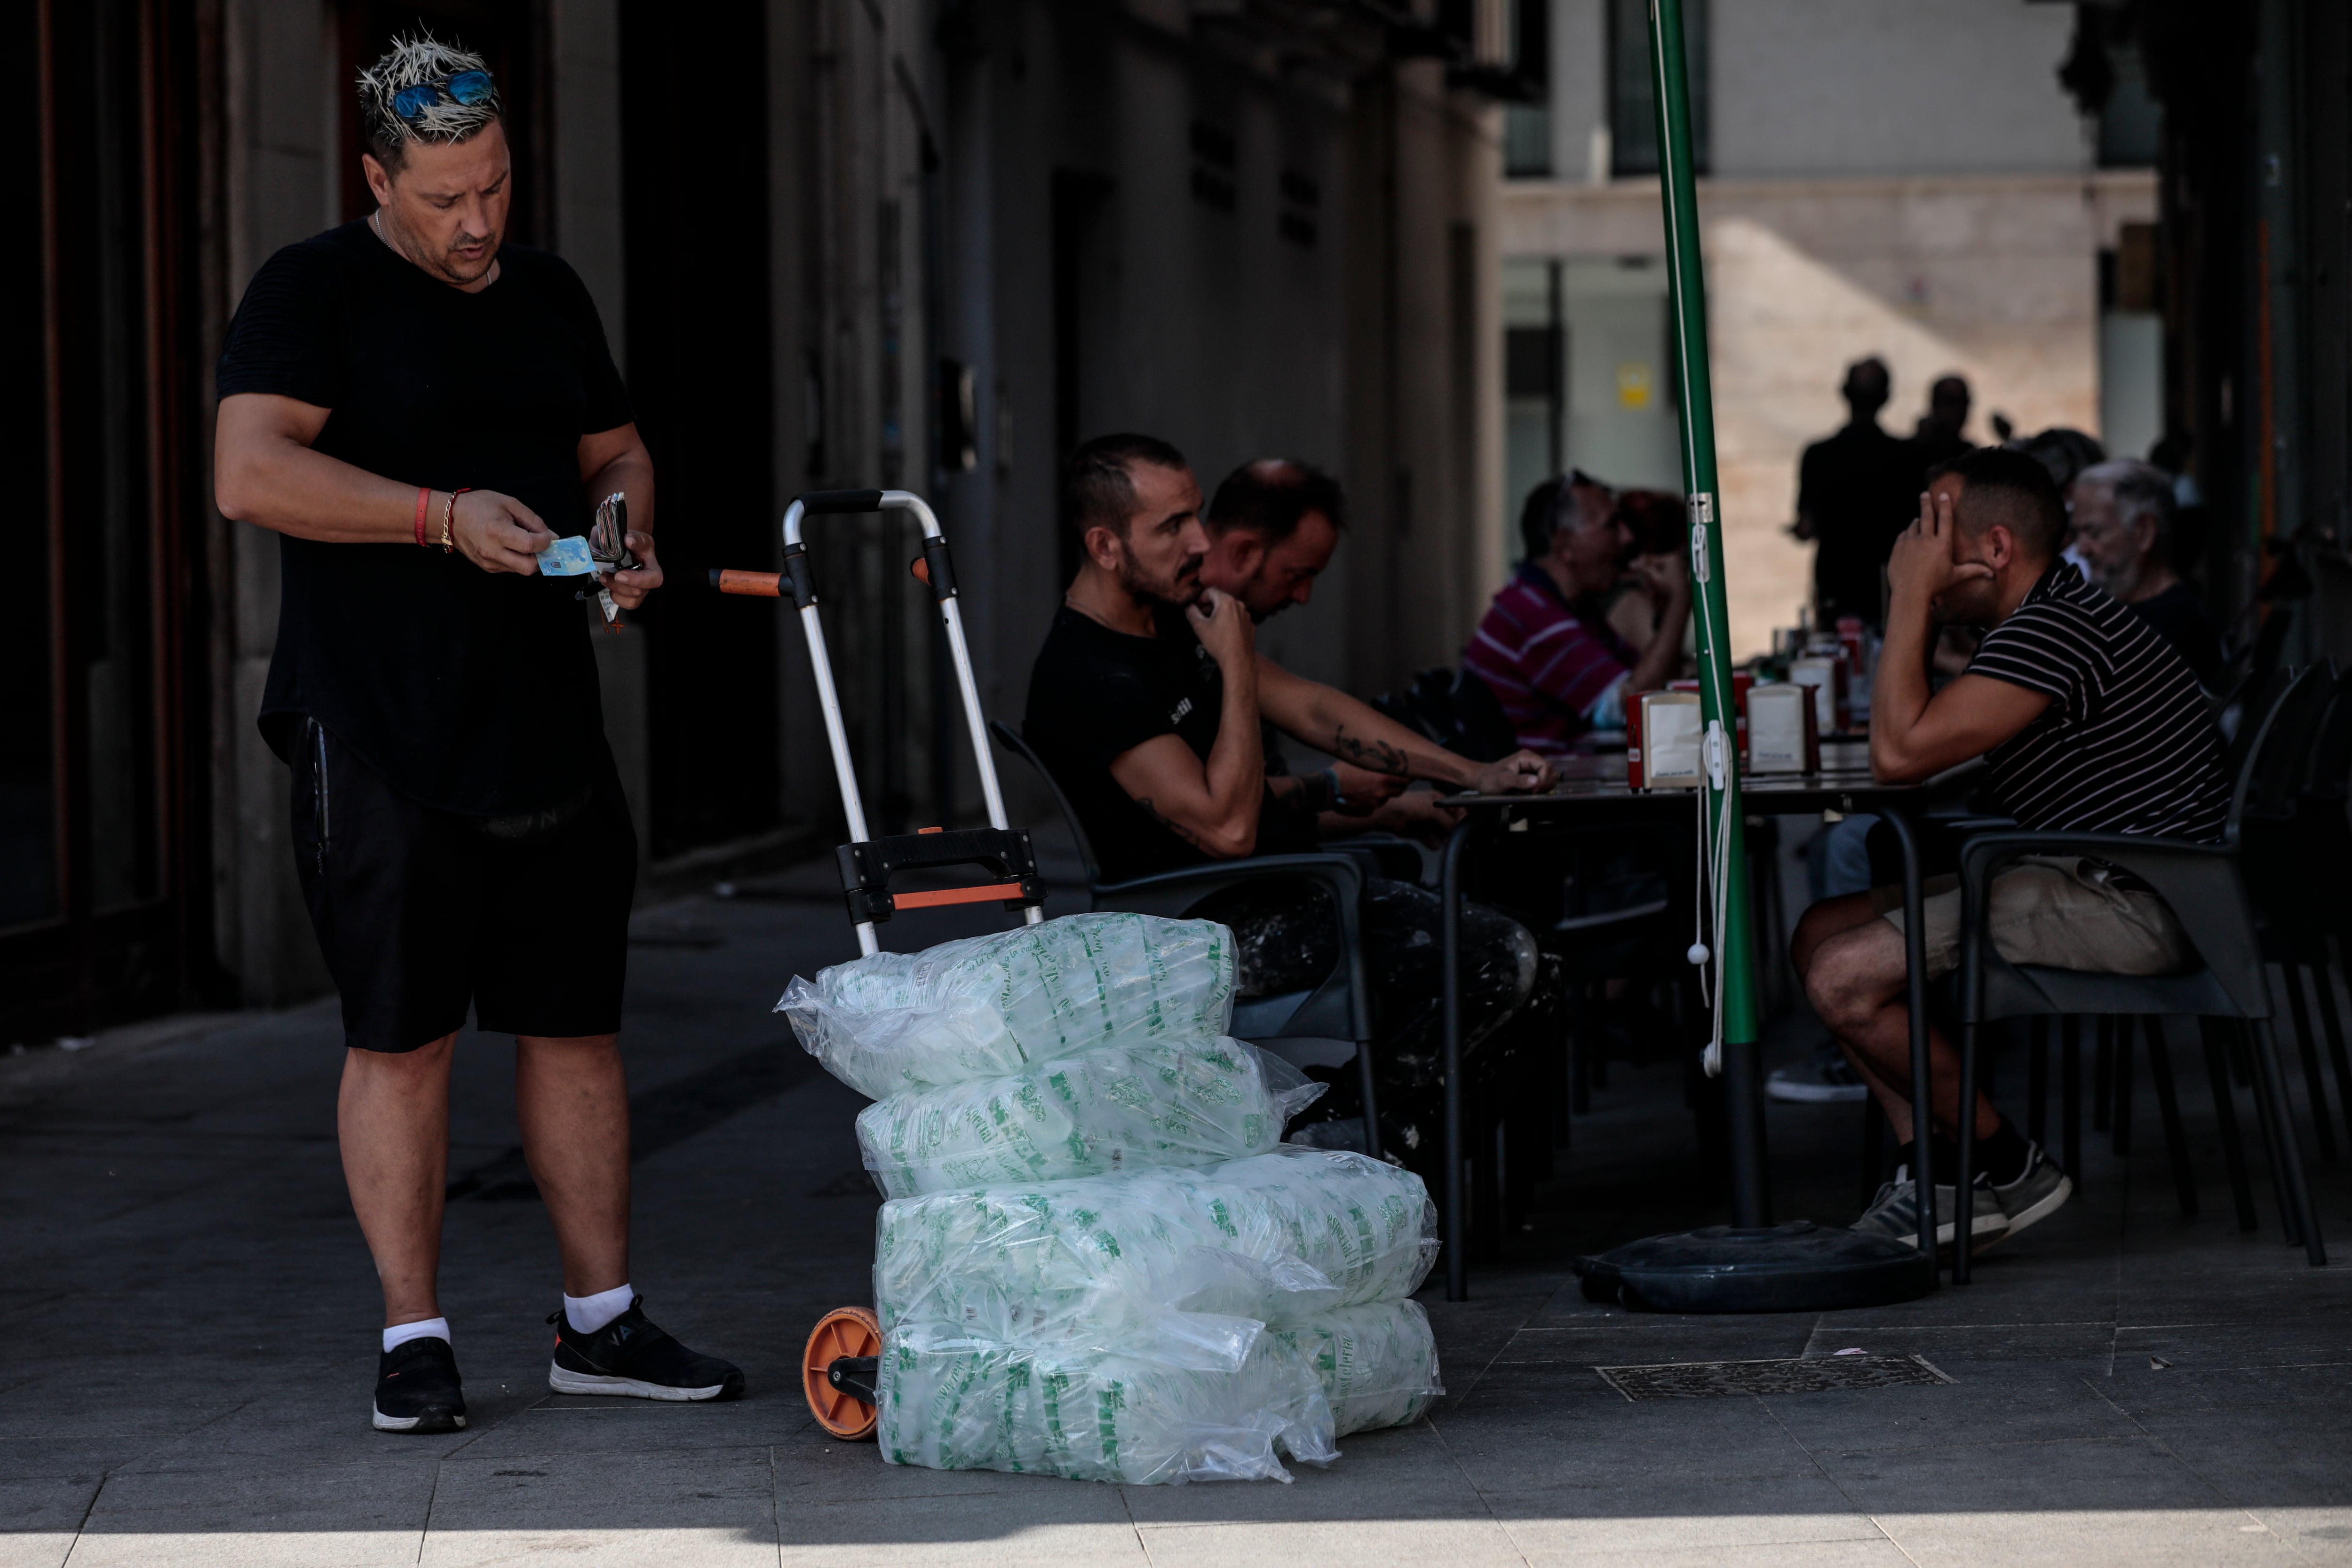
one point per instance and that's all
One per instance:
(426, 415)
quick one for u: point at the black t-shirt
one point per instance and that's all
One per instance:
(1094, 693)
(1861, 487)
(2127, 744)
(468, 691)
(2180, 620)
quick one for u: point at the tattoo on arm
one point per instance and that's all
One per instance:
(1171, 823)
(1379, 755)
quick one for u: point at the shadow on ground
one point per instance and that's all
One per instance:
(191, 1322)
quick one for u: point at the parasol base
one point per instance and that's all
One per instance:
(1799, 1267)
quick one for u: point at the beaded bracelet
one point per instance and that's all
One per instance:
(447, 512)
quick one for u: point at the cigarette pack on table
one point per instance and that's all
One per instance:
(1662, 740)
(1784, 732)
(1825, 672)
(1742, 681)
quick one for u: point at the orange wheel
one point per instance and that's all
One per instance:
(845, 1331)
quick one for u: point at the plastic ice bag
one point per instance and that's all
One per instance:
(952, 1401)
(1378, 1363)
(1279, 1237)
(988, 1006)
(1103, 1111)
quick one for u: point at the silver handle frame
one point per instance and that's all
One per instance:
(829, 698)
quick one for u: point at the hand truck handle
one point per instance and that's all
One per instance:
(938, 572)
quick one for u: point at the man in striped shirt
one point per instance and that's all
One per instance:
(1545, 646)
(2089, 721)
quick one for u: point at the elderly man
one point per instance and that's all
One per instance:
(2123, 530)
(1545, 643)
(1145, 705)
(2089, 723)
(424, 414)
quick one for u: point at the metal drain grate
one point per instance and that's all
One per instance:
(1804, 1375)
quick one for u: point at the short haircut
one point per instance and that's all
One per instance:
(2001, 485)
(424, 91)
(2141, 490)
(1098, 483)
(1272, 498)
(1546, 507)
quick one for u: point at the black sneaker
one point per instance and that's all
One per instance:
(631, 1356)
(417, 1388)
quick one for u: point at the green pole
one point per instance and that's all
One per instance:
(1679, 194)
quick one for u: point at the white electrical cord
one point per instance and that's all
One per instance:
(1713, 893)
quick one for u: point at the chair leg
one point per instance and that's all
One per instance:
(2308, 1046)
(2123, 1087)
(2270, 1083)
(1365, 1073)
(2070, 1096)
(1587, 1035)
(1873, 1149)
(2225, 1116)
(2167, 1109)
(1963, 1178)
(2103, 1076)
(2037, 1080)
(2324, 975)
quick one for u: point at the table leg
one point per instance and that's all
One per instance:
(1457, 1229)
(1923, 1087)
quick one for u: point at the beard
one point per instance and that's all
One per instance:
(1180, 587)
(2115, 581)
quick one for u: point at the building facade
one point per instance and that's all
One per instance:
(1912, 182)
(834, 242)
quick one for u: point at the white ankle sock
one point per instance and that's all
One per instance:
(427, 1328)
(586, 1314)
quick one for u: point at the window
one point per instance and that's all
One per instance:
(1633, 102)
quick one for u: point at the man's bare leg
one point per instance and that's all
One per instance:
(1855, 974)
(573, 1099)
(391, 1117)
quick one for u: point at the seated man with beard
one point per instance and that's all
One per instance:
(1146, 703)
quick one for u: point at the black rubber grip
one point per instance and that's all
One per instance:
(819, 502)
(796, 572)
(935, 560)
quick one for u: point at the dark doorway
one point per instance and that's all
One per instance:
(694, 133)
(103, 892)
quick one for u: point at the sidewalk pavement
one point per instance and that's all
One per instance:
(190, 1323)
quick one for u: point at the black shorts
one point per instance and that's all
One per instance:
(422, 914)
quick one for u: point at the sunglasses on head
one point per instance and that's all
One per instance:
(466, 88)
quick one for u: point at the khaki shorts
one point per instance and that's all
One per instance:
(2060, 911)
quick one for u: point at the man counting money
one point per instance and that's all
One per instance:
(425, 416)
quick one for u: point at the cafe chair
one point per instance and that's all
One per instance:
(1329, 1024)
(2208, 888)
(1456, 710)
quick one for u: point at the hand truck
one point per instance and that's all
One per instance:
(869, 864)
(839, 1364)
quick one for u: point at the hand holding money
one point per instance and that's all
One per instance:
(497, 533)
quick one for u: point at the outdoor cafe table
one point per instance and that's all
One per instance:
(1593, 788)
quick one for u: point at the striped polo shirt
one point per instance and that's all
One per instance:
(1556, 672)
(2126, 745)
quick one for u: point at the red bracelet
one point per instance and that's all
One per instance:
(423, 504)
